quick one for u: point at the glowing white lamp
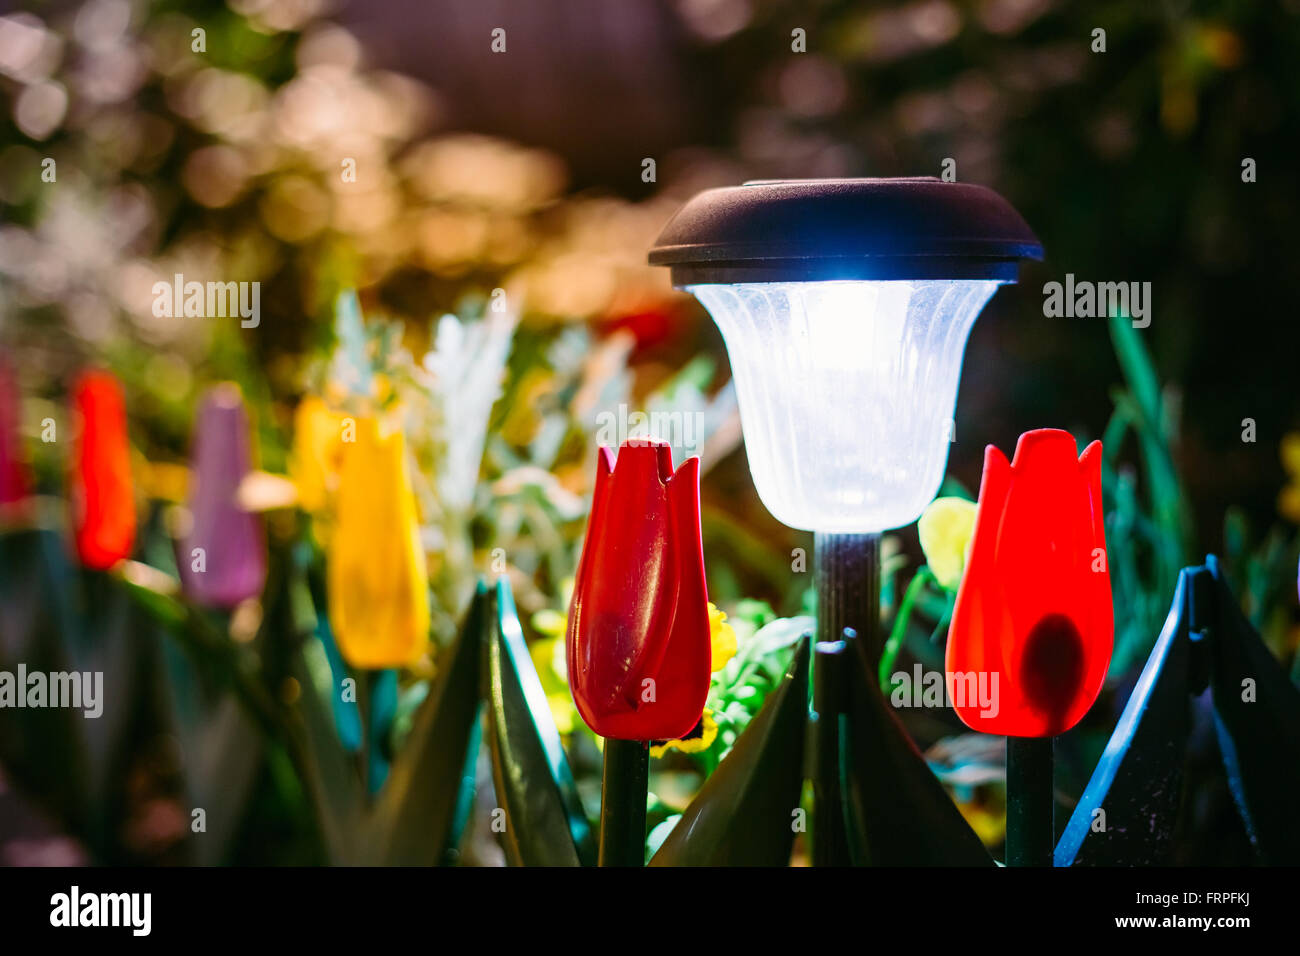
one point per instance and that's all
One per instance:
(845, 306)
(846, 392)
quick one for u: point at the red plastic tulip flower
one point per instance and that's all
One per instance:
(13, 468)
(1034, 623)
(638, 636)
(103, 505)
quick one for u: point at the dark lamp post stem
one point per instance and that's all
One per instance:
(830, 845)
(624, 784)
(1031, 833)
(846, 568)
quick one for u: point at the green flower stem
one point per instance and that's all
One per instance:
(624, 785)
(944, 621)
(1031, 832)
(898, 632)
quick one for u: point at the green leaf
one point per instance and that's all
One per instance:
(109, 640)
(221, 753)
(328, 770)
(660, 833)
(220, 748)
(305, 730)
(742, 814)
(415, 821)
(1136, 364)
(44, 748)
(353, 357)
(1154, 421)
(545, 822)
(778, 635)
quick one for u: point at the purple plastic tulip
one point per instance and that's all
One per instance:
(223, 558)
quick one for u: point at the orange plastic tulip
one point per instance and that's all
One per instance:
(1034, 622)
(102, 497)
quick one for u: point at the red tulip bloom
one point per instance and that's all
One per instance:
(103, 505)
(13, 468)
(638, 646)
(1032, 631)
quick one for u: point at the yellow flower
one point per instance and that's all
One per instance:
(945, 529)
(548, 659)
(316, 452)
(701, 738)
(722, 637)
(524, 417)
(1288, 500)
(988, 822)
(548, 655)
(551, 623)
(562, 711)
(378, 587)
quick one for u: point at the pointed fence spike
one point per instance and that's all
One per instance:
(897, 813)
(1257, 718)
(544, 820)
(745, 813)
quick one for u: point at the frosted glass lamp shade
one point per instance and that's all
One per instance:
(846, 391)
(845, 305)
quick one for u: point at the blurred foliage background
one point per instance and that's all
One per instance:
(219, 141)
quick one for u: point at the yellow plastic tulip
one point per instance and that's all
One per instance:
(945, 529)
(314, 458)
(378, 588)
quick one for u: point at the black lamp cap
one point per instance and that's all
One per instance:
(806, 230)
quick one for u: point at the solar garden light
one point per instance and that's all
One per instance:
(845, 305)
